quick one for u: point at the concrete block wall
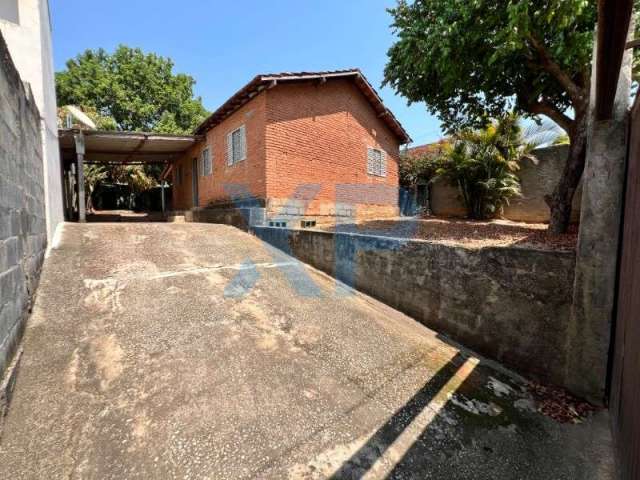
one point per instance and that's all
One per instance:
(510, 304)
(237, 217)
(23, 227)
(29, 42)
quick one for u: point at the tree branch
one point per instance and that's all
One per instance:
(548, 109)
(576, 93)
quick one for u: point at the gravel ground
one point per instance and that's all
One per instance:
(468, 233)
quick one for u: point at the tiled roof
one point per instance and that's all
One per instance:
(429, 148)
(264, 81)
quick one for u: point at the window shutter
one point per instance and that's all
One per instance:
(230, 148)
(243, 143)
(376, 162)
(370, 161)
(206, 162)
(383, 163)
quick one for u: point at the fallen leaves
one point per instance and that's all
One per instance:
(558, 404)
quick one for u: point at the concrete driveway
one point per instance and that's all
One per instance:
(192, 351)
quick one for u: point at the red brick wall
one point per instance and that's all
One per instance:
(319, 134)
(250, 173)
(181, 191)
(301, 134)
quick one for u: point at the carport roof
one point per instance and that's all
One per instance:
(125, 147)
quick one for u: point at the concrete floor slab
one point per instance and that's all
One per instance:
(196, 351)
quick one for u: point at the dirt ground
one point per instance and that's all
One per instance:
(469, 233)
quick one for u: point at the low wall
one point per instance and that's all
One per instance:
(507, 303)
(382, 203)
(23, 229)
(238, 217)
(537, 181)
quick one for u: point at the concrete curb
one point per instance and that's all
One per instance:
(7, 387)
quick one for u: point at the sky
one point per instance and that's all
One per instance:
(224, 44)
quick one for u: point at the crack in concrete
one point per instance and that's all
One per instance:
(196, 270)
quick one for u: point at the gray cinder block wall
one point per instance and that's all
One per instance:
(510, 304)
(23, 229)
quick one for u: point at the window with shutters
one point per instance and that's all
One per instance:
(376, 162)
(236, 146)
(206, 167)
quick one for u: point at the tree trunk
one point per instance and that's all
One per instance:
(90, 201)
(561, 200)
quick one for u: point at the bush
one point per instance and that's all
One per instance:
(483, 165)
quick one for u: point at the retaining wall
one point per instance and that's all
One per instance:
(23, 229)
(238, 217)
(508, 303)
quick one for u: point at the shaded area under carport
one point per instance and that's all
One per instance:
(80, 146)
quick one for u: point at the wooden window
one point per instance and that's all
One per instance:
(376, 162)
(236, 146)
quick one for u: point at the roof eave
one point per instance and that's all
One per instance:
(261, 82)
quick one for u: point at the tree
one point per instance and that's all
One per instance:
(473, 60)
(483, 164)
(93, 175)
(136, 177)
(137, 90)
(415, 168)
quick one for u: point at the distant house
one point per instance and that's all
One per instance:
(427, 149)
(416, 188)
(316, 145)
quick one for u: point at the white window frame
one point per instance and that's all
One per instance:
(204, 171)
(234, 156)
(376, 166)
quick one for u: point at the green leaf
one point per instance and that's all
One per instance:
(135, 90)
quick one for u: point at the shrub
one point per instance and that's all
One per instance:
(483, 164)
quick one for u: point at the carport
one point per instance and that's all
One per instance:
(79, 146)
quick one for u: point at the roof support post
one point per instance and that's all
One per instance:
(79, 141)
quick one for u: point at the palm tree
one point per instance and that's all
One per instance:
(483, 164)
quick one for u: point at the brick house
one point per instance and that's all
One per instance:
(315, 145)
